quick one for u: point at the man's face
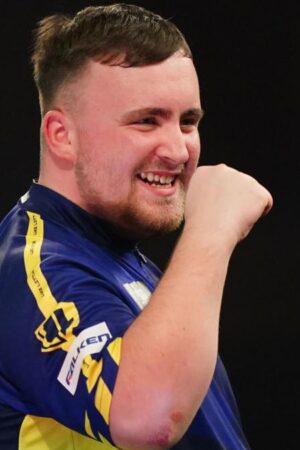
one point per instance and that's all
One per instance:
(137, 143)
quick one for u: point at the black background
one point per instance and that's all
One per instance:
(247, 55)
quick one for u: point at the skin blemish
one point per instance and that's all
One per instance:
(176, 417)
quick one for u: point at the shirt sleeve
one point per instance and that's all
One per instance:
(76, 347)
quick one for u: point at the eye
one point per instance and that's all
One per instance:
(146, 121)
(189, 123)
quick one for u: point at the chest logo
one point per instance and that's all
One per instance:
(139, 292)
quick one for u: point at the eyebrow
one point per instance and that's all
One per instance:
(196, 113)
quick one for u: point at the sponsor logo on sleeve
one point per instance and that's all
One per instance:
(56, 331)
(89, 341)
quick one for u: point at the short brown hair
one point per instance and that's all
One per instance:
(121, 34)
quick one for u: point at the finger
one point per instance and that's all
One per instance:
(269, 205)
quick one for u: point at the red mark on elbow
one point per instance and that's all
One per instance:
(163, 436)
(176, 417)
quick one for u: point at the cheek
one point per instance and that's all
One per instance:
(194, 150)
(115, 169)
(114, 155)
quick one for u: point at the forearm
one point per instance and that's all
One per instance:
(169, 352)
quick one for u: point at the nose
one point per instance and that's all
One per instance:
(173, 147)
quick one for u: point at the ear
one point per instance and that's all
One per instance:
(58, 134)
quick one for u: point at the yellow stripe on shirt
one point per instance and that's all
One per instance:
(114, 349)
(32, 259)
(103, 399)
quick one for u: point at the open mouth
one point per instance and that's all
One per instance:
(161, 181)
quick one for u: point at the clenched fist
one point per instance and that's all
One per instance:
(224, 204)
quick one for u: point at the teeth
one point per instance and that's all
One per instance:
(151, 177)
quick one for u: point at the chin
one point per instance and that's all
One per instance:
(135, 222)
(145, 228)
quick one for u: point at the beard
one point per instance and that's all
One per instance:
(138, 221)
(132, 217)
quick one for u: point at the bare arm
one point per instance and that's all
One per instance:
(169, 353)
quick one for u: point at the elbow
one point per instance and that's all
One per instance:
(142, 433)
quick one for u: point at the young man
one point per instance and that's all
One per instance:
(87, 361)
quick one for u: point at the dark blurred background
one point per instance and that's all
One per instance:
(247, 55)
